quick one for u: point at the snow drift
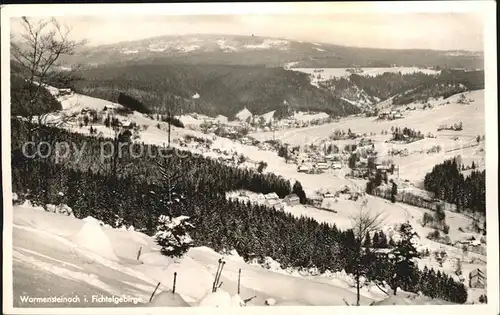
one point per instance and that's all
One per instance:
(168, 298)
(221, 299)
(92, 237)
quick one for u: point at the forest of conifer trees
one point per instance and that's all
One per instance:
(449, 184)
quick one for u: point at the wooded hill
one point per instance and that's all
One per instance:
(20, 91)
(223, 89)
(449, 184)
(407, 88)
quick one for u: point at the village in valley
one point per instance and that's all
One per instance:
(319, 182)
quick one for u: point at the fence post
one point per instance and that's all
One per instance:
(139, 253)
(153, 294)
(239, 276)
(175, 280)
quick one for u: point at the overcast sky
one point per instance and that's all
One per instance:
(443, 31)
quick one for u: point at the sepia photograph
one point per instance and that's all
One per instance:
(249, 155)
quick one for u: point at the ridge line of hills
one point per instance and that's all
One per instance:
(268, 51)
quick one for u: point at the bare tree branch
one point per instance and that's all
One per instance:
(42, 44)
(366, 221)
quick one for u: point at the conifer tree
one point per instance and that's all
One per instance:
(368, 242)
(394, 192)
(299, 191)
(173, 235)
(404, 268)
(376, 240)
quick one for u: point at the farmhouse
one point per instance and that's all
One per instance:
(279, 206)
(322, 165)
(272, 196)
(243, 115)
(383, 115)
(383, 168)
(332, 157)
(337, 165)
(328, 195)
(316, 201)
(303, 169)
(291, 200)
(246, 140)
(272, 200)
(63, 92)
(126, 124)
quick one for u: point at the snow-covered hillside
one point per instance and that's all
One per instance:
(142, 276)
(321, 74)
(52, 248)
(414, 166)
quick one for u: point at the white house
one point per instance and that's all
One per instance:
(303, 169)
(322, 165)
(246, 140)
(126, 123)
(272, 196)
(244, 114)
(337, 166)
(279, 206)
(328, 195)
(292, 200)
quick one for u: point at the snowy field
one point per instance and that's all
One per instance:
(414, 166)
(330, 73)
(341, 72)
(472, 116)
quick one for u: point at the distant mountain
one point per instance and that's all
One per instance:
(255, 50)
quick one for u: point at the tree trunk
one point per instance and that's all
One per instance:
(357, 288)
(169, 127)
(358, 263)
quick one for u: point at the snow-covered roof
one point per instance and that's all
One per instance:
(126, 123)
(244, 114)
(272, 196)
(267, 117)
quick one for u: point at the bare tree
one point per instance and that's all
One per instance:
(364, 223)
(36, 53)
